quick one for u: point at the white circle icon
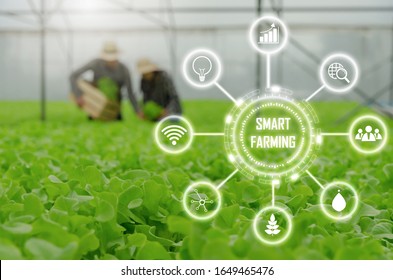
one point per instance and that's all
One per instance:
(174, 134)
(268, 35)
(202, 201)
(339, 73)
(202, 68)
(272, 225)
(368, 134)
(339, 200)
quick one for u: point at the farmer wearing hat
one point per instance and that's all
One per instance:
(107, 66)
(160, 98)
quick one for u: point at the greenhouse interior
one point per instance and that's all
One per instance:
(91, 170)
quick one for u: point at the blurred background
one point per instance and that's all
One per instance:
(66, 184)
(42, 41)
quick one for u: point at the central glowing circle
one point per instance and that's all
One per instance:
(271, 136)
(271, 126)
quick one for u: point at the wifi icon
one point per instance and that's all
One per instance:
(174, 133)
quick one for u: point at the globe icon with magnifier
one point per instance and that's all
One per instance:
(337, 71)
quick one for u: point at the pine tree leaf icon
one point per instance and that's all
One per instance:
(272, 227)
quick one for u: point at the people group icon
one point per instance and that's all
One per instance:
(369, 135)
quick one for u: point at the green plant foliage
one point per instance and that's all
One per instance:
(108, 87)
(73, 189)
(152, 110)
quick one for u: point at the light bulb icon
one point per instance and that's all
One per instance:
(202, 66)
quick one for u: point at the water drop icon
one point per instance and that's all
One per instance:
(339, 202)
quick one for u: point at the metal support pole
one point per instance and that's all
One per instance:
(43, 62)
(370, 101)
(258, 55)
(172, 38)
(280, 59)
(391, 73)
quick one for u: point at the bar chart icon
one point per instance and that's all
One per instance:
(270, 37)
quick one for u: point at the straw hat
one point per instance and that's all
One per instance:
(145, 66)
(110, 52)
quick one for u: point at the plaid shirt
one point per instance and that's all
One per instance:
(162, 91)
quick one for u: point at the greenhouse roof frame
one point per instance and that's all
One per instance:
(43, 15)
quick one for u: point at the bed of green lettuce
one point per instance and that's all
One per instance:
(76, 189)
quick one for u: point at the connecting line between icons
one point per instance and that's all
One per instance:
(334, 134)
(237, 102)
(275, 183)
(227, 179)
(315, 93)
(268, 71)
(208, 133)
(315, 179)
